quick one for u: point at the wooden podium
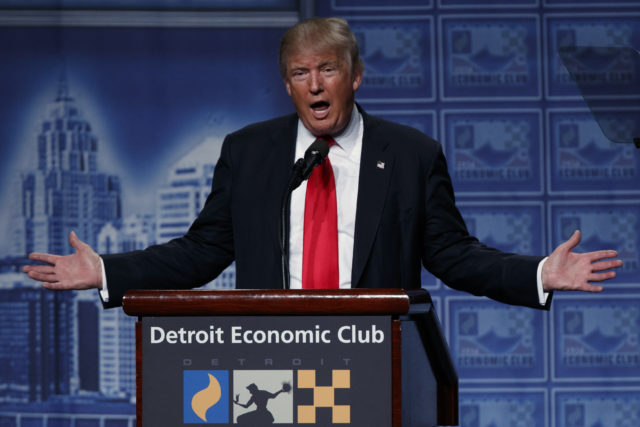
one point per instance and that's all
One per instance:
(423, 381)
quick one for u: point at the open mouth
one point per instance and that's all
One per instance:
(320, 109)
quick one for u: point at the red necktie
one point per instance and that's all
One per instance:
(320, 242)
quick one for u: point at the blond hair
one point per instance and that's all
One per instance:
(320, 34)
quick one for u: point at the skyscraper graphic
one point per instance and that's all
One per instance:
(51, 349)
(117, 365)
(135, 232)
(38, 344)
(188, 185)
(66, 192)
(179, 202)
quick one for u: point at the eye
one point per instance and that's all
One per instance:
(329, 70)
(298, 75)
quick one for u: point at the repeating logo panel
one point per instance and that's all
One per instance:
(615, 406)
(490, 57)
(494, 342)
(503, 407)
(494, 151)
(514, 228)
(583, 159)
(597, 339)
(398, 57)
(614, 74)
(604, 225)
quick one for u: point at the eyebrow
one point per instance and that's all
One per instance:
(321, 65)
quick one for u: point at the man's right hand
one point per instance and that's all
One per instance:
(80, 270)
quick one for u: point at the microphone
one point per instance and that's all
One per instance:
(314, 155)
(302, 169)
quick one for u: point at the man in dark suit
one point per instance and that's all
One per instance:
(395, 204)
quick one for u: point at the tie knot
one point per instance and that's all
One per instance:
(328, 139)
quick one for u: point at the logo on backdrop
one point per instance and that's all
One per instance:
(485, 57)
(503, 148)
(613, 406)
(613, 71)
(597, 339)
(510, 228)
(583, 157)
(398, 58)
(491, 341)
(509, 407)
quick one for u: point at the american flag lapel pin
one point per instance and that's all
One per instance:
(380, 164)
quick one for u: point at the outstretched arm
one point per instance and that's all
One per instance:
(565, 270)
(80, 270)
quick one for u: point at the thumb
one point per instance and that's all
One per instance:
(75, 241)
(573, 241)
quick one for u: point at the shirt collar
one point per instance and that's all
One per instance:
(347, 140)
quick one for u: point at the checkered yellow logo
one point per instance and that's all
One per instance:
(324, 396)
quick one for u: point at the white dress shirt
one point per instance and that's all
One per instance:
(345, 162)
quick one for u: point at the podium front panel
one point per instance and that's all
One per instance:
(258, 370)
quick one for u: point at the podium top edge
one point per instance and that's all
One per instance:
(272, 302)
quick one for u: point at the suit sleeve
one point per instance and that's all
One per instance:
(460, 260)
(186, 262)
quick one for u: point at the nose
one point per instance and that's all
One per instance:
(315, 83)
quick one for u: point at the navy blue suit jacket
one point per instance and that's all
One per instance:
(405, 216)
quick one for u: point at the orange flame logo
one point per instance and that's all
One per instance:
(206, 398)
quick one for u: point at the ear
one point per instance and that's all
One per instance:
(357, 79)
(287, 85)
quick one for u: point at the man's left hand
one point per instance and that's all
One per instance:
(565, 270)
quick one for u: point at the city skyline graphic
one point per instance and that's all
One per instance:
(92, 356)
(122, 172)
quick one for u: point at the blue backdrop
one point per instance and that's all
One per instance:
(112, 118)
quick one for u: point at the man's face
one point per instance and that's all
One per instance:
(322, 88)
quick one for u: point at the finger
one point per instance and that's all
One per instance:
(606, 265)
(56, 286)
(588, 287)
(45, 269)
(594, 288)
(598, 255)
(42, 277)
(48, 258)
(600, 277)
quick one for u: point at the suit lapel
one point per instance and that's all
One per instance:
(284, 149)
(376, 165)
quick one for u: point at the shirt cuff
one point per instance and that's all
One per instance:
(104, 292)
(542, 295)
